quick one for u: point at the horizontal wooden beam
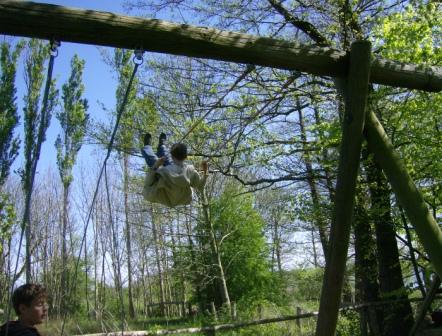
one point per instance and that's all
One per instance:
(45, 21)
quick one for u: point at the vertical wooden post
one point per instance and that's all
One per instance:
(233, 311)
(298, 321)
(189, 308)
(353, 125)
(211, 332)
(425, 305)
(213, 311)
(363, 312)
(406, 192)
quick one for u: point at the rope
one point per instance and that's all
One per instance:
(138, 60)
(44, 122)
(248, 70)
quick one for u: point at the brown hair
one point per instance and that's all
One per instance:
(146, 139)
(25, 294)
(179, 151)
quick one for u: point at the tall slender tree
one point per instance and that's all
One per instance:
(37, 121)
(73, 120)
(9, 118)
(9, 146)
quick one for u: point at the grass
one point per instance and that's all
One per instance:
(112, 323)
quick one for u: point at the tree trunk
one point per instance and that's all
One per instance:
(86, 287)
(398, 318)
(277, 243)
(26, 223)
(194, 275)
(320, 223)
(158, 261)
(96, 297)
(148, 292)
(179, 289)
(182, 287)
(412, 256)
(366, 267)
(64, 267)
(325, 158)
(166, 273)
(128, 234)
(216, 254)
(115, 252)
(405, 190)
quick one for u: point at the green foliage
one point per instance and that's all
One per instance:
(304, 285)
(124, 68)
(73, 120)
(273, 329)
(35, 120)
(143, 118)
(412, 119)
(418, 41)
(140, 114)
(73, 299)
(306, 212)
(239, 232)
(7, 219)
(9, 118)
(348, 324)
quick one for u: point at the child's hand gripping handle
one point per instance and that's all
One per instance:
(205, 167)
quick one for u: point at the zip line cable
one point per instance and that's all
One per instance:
(138, 60)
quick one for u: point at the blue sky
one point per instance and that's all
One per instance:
(98, 79)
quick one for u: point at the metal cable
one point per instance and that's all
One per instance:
(138, 60)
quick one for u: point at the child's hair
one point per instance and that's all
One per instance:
(179, 151)
(25, 294)
(146, 139)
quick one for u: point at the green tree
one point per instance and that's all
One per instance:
(9, 118)
(73, 120)
(7, 221)
(9, 146)
(274, 157)
(239, 232)
(412, 119)
(36, 123)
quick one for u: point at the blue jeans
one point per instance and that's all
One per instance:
(152, 157)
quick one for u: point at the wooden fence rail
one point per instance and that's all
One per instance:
(209, 329)
(231, 326)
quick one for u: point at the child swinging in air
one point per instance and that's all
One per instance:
(169, 179)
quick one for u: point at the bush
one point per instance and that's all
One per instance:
(348, 324)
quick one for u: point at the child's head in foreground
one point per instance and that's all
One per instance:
(29, 302)
(179, 151)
